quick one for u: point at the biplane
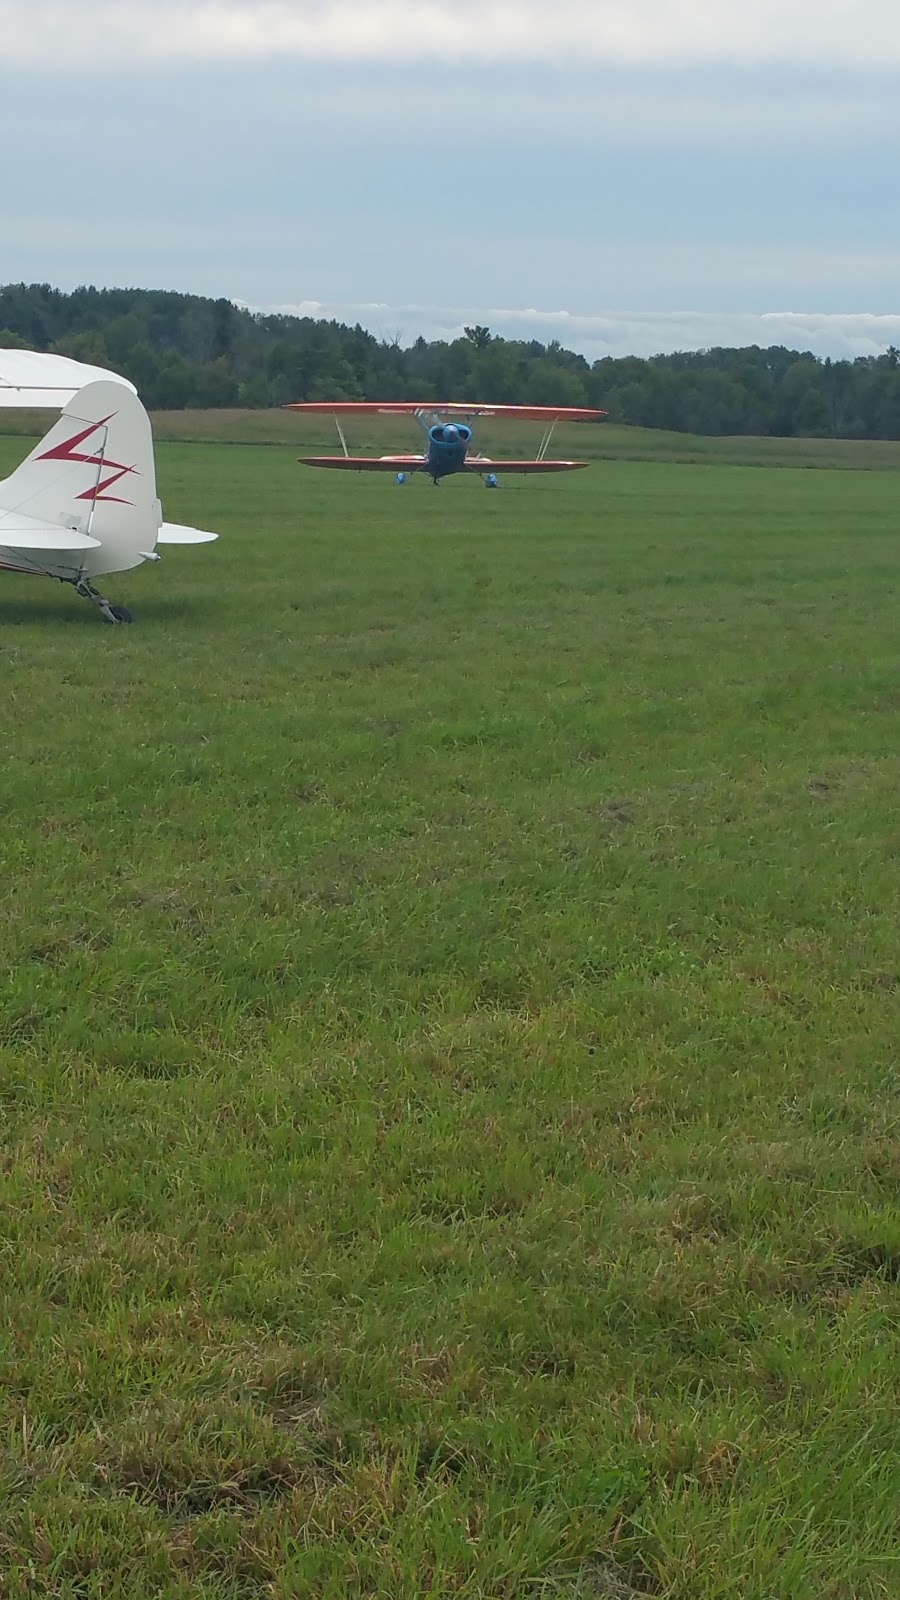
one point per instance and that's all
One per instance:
(448, 438)
(84, 502)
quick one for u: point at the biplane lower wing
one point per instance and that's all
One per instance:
(419, 463)
(365, 463)
(478, 464)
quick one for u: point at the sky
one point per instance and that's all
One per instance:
(626, 176)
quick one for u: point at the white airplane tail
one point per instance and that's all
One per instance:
(93, 473)
(84, 501)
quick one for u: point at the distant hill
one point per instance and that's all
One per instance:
(182, 350)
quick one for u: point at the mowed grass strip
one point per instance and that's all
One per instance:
(448, 1044)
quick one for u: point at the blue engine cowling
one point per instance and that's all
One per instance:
(450, 433)
(448, 443)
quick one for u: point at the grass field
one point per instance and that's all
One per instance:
(449, 1044)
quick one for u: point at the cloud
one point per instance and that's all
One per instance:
(618, 333)
(666, 33)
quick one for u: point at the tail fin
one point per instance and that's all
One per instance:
(95, 472)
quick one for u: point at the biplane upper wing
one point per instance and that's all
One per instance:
(449, 408)
(365, 463)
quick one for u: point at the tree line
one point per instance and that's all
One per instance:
(184, 350)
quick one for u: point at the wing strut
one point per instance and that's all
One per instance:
(545, 442)
(337, 423)
(427, 419)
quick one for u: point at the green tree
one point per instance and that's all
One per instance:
(479, 337)
(89, 346)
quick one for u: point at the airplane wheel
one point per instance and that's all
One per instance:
(122, 614)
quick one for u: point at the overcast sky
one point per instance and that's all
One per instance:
(623, 175)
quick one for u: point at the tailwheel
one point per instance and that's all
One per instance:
(108, 612)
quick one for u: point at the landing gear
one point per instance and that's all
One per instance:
(108, 612)
(490, 481)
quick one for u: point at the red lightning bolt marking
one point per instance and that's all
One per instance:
(68, 451)
(97, 492)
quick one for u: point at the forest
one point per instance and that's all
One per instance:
(184, 350)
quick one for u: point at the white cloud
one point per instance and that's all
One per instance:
(620, 333)
(842, 33)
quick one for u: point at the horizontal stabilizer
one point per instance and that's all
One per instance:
(175, 533)
(19, 532)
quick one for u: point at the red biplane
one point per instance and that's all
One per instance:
(448, 431)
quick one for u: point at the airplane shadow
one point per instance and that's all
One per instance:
(81, 614)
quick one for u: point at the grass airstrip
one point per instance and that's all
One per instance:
(450, 1036)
